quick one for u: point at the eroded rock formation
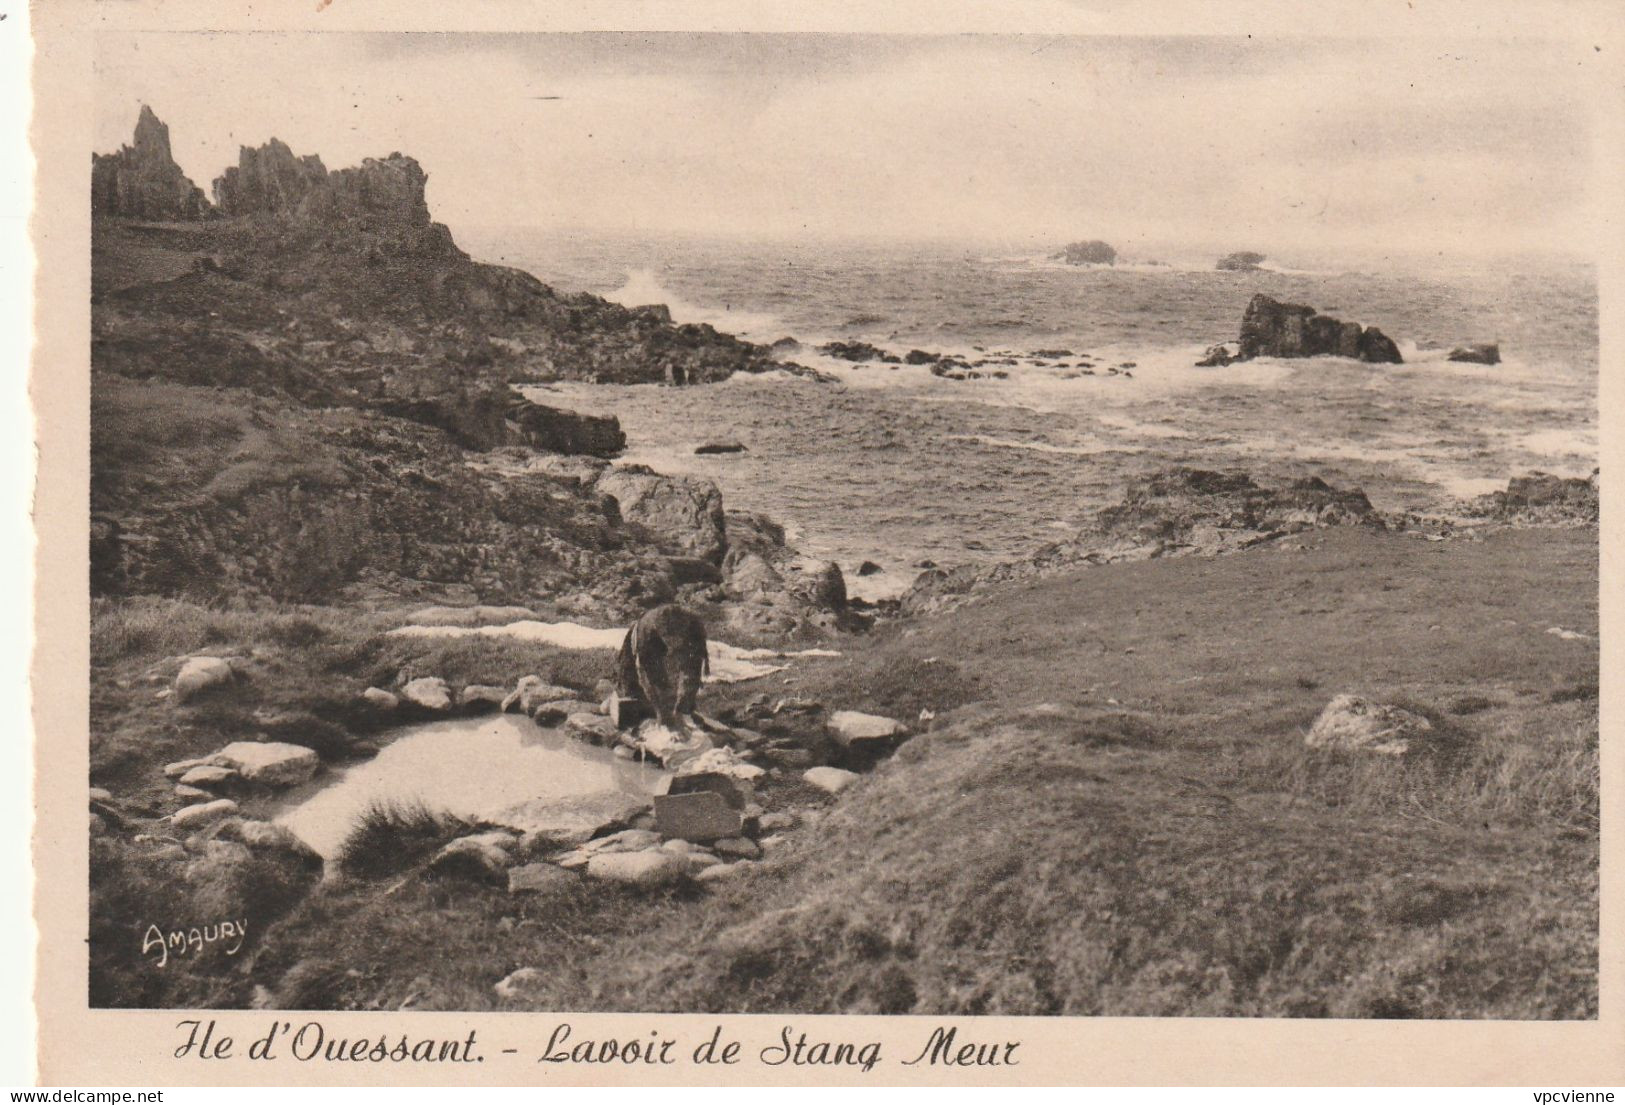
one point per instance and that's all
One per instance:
(142, 180)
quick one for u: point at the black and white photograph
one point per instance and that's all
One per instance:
(818, 522)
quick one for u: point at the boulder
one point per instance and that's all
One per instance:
(209, 775)
(428, 693)
(684, 510)
(531, 878)
(1217, 356)
(380, 699)
(271, 763)
(592, 728)
(849, 727)
(832, 780)
(205, 813)
(198, 674)
(1477, 353)
(559, 711)
(869, 568)
(567, 821)
(712, 448)
(1243, 261)
(481, 698)
(480, 858)
(1350, 723)
(651, 868)
(721, 872)
(531, 692)
(266, 836)
(627, 840)
(700, 816)
(699, 862)
(738, 847)
(819, 583)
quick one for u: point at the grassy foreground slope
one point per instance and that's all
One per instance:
(1113, 813)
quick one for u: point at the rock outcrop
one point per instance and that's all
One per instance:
(1540, 498)
(142, 180)
(1243, 261)
(560, 431)
(1176, 512)
(1271, 328)
(1092, 252)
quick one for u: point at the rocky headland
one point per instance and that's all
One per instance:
(304, 392)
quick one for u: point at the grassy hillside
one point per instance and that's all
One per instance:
(1112, 813)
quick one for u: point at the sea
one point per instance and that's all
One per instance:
(895, 466)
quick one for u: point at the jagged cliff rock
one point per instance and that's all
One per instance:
(271, 180)
(142, 181)
(267, 180)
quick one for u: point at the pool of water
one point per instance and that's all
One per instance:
(473, 768)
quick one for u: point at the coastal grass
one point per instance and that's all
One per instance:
(1108, 809)
(390, 837)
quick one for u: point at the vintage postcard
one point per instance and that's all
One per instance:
(694, 544)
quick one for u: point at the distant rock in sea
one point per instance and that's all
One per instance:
(1478, 353)
(1244, 261)
(1270, 328)
(142, 181)
(1092, 252)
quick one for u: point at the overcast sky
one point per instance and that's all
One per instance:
(1238, 143)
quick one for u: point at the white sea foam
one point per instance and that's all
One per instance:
(1567, 442)
(643, 288)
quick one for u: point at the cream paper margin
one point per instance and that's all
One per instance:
(81, 1046)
